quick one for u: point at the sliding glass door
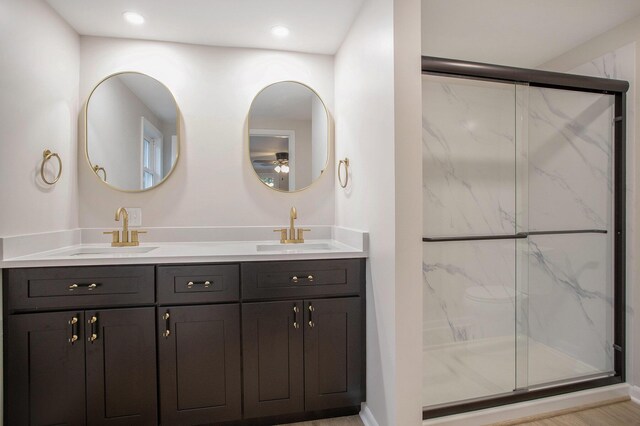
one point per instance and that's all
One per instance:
(518, 185)
(568, 285)
(469, 175)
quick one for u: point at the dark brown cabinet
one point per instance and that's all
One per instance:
(121, 367)
(272, 343)
(199, 364)
(46, 380)
(245, 343)
(333, 353)
(66, 364)
(301, 355)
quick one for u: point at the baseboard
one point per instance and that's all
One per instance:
(533, 408)
(367, 417)
(634, 394)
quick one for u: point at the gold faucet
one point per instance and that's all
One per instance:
(295, 236)
(116, 241)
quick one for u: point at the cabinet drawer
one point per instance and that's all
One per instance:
(198, 284)
(79, 287)
(270, 280)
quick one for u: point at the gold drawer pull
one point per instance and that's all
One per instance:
(167, 325)
(94, 328)
(89, 287)
(311, 311)
(295, 316)
(206, 284)
(295, 279)
(73, 322)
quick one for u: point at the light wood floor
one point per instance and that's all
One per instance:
(622, 413)
(619, 414)
(338, 421)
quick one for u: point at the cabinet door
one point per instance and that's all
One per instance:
(121, 367)
(272, 345)
(45, 369)
(333, 353)
(199, 364)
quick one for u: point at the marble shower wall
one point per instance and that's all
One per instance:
(457, 275)
(570, 154)
(494, 152)
(468, 136)
(621, 64)
(570, 301)
(468, 182)
(570, 187)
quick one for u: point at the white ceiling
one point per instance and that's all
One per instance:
(524, 33)
(317, 26)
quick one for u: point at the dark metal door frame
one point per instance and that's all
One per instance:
(554, 80)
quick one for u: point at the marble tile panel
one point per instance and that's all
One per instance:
(468, 133)
(468, 290)
(570, 152)
(570, 299)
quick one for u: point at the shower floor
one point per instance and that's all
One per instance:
(486, 367)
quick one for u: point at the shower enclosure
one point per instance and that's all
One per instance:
(523, 264)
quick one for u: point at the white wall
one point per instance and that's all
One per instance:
(606, 55)
(213, 183)
(114, 132)
(39, 85)
(39, 62)
(377, 125)
(408, 188)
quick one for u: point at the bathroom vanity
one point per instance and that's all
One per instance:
(247, 342)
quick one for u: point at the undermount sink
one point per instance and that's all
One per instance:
(88, 251)
(293, 248)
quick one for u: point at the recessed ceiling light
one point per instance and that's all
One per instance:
(280, 31)
(133, 18)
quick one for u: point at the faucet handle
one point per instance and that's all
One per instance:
(115, 236)
(283, 234)
(134, 235)
(301, 231)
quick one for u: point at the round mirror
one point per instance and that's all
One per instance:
(132, 135)
(288, 136)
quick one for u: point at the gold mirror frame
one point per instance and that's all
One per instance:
(96, 168)
(329, 137)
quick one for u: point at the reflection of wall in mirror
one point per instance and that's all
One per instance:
(168, 149)
(301, 159)
(114, 132)
(319, 138)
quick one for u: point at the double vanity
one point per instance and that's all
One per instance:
(188, 326)
(184, 333)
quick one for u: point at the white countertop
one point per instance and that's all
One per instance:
(185, 252)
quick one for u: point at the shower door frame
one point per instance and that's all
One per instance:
(553, 80)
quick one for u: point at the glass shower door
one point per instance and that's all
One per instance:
(469, 178)
(566, 273)
(518, 224)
